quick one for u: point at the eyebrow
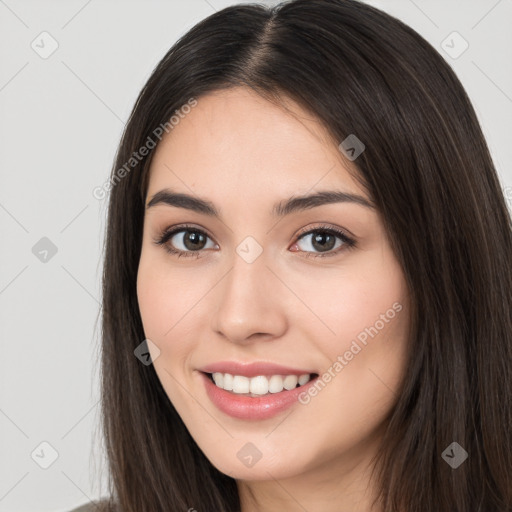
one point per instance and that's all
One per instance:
(280, 209)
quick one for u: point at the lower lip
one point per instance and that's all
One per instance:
(249, 408)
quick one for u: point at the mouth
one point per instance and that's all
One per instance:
(256, 390)
(260, 385)
(255, 398)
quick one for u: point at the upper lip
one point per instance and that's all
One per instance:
(252, 369)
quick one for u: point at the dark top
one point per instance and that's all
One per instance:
(88, 507)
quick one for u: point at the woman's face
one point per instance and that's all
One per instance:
(263, 287)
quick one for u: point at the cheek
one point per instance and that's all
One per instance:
(165, 296)
(172, 305)
(368, 313)
(165, 309)
(365, 299)
(153, 301)
(162, 303)
(371, 319)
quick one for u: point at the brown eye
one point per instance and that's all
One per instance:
(324, 240)
(184, 241)
(191, 240)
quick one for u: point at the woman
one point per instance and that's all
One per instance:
(307, 285)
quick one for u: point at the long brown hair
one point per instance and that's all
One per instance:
(427, 168)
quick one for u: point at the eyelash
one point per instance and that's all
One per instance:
(168, 233)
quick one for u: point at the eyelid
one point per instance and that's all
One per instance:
(325, 226)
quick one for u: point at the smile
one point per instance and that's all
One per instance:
(271, 398)
(259, 385)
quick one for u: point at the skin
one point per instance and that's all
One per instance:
(243, 154)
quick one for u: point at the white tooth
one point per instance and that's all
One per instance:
(290, 382)
(275, 384)
(240, 384)
(259, 385)
(218, 378)
(303, 379)
(228, 382)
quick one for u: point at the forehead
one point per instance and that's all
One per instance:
(236, 141)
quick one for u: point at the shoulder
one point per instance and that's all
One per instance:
(93, 507)
(89, 507)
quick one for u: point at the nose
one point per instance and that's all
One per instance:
(249, 303)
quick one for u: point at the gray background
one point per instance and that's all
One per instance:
(61, 120)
